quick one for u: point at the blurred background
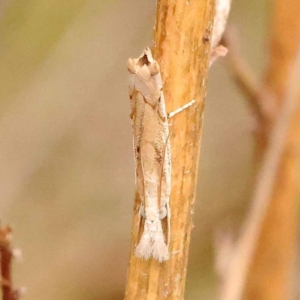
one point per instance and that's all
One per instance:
(67, 174)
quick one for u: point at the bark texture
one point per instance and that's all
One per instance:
(182, 39)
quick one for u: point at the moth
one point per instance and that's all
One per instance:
(152, 153)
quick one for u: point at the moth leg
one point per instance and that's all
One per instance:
(180, 109)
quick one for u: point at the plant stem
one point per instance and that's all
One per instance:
(182, 38)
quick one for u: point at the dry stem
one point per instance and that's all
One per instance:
(274, 256)
(264, 258)
(261, 102)
(284, 43)
(183, 54)
(6, 255)
(275, 163)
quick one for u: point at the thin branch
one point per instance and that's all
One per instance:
(267, 180)
(273, 261)
(183, 55)
(6, 256)
(224, 244)
(284, 36)
(260, 99)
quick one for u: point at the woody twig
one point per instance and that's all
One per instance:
(182, 38)
(262, 260)
(6, 256)
(267, 179)
(260, 100)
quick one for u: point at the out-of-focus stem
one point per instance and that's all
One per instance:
(6, 255)
(276, 182)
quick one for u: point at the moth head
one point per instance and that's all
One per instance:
(154, 68)
(146, 59)
(139, 67)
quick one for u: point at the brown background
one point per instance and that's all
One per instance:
(67, 174)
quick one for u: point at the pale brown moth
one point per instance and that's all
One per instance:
(152, 153)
